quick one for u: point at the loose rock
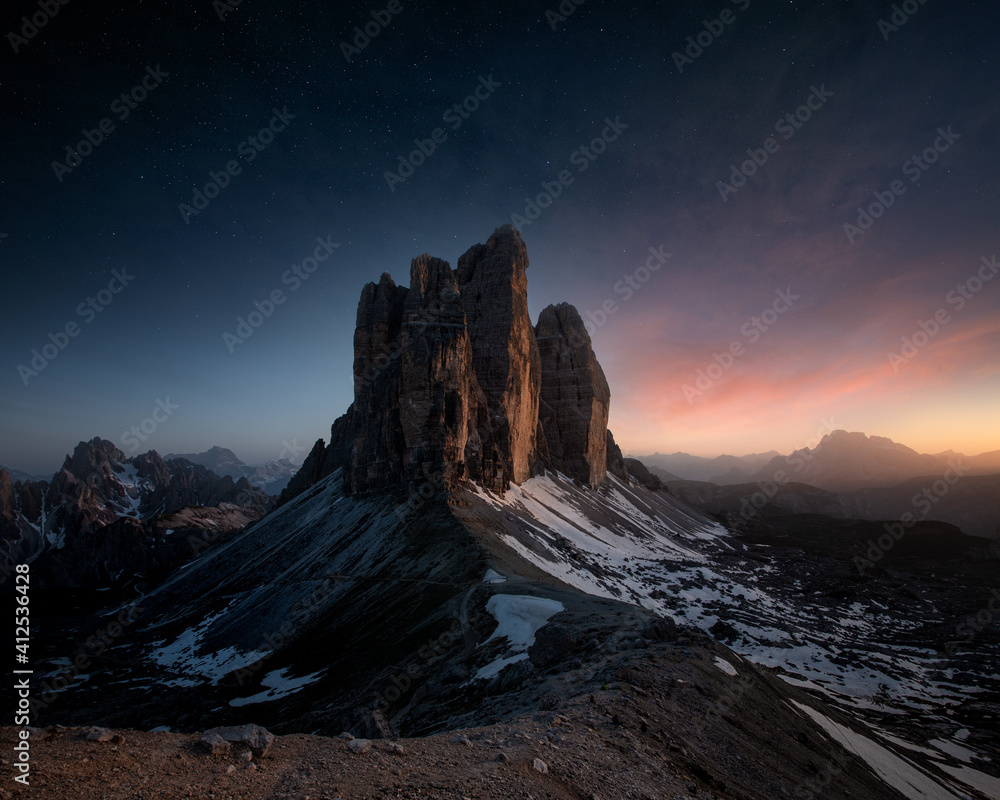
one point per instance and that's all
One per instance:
(255, 737)
(214, 744)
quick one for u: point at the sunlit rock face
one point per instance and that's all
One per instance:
(452, 382)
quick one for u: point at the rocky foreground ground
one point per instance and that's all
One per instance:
(676, 722)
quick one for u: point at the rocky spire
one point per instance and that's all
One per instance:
(420, 412)
(574, 396)
(493, 281)
(450, 384)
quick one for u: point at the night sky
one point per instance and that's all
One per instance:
(806, 321)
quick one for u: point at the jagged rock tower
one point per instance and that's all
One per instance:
(452, 380)
(574, 396)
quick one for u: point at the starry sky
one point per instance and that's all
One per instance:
(777, 218)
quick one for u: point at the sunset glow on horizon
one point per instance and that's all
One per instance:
(911, 353)
(799, 225)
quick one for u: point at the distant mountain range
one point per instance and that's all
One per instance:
(842, 461)
(721, 469)
(105, 517)
(272, 476)
(853, 476)
(20, 475)
(845, 461)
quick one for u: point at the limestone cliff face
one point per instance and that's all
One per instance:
(376, 441)
(494, 292)
(443, 416)
(574, 396)
(450, 384)
(616, 461)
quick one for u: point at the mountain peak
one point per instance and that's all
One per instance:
(842, 436)
(452, 382)
(94, 460)
(216, 450)
(855, 439)
(845, 460)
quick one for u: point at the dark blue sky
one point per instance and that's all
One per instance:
(212, 84)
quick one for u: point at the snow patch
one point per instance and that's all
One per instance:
(625, 544)
(986, 784)
(725, 666)
(518, 618)
(279, 685)
(954, 750)
(897, 772)
(494, 667)
(183, 654)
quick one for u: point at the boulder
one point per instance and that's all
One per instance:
(553, 642)
(255, 737)
(99, 735)
(214, 744)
